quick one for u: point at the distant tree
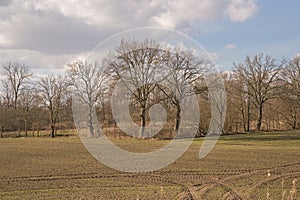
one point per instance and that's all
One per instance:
(28, 102)
(86, 81)
(290, 85)
(52, 91)
(185, 71)
(15, 78)
(137, 63)
(260, 75)
(232, 114)
(241, 94)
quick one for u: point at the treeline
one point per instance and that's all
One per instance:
(262, 93)
(33, 103)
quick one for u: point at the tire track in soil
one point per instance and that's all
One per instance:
(264, 182)
(190, 191)
(186, 195)
(245, 192)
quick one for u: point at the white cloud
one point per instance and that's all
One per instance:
(241, 10)
(215, 56)
(115, 13)
(230, 46)
(53, 28)
(167, 13)
(36, 60)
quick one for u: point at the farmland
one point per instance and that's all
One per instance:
(237, 168)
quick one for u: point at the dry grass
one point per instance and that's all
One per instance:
(61, 168)
(42, 133)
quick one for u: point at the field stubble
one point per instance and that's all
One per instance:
(237, 168)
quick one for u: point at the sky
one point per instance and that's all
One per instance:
(47, 34)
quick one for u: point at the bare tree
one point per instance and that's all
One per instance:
(136, 63)
(87, 84)
(260, 74)
(15, 78)
(7, 94)
(28, 100)
(242, 98)
(52, 90)
(290, 85)
(185, 72)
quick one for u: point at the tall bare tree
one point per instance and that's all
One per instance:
(185, 72)
(290, 85)
(137, 64)
(52, 90)
(242, 98)
(87, 83)
(15, 78)
(28, 101)
(260, 76)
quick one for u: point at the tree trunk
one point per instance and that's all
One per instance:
(177, 118)
(248, 114)
(143, 121)
(16, 100)
(38, 130)
(244, 119)
(91, 127)
(294, 116)
(25, 127)
(294, 124)
(52, 120)
(260, 115)
(103, 113)
(52, 130)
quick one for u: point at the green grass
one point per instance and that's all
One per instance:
(61, 168)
